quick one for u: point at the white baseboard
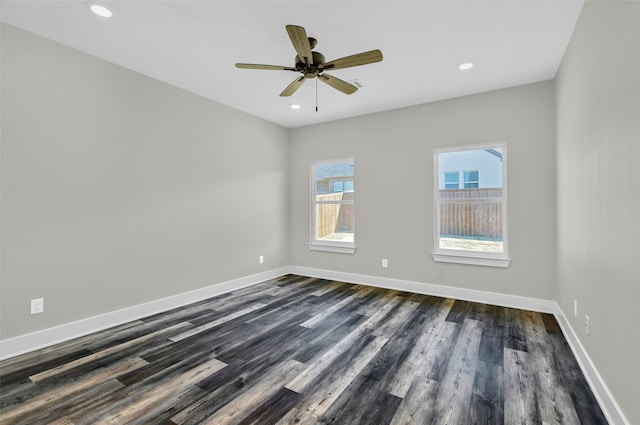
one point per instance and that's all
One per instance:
(504, 300)
(29, 342)
(608, 404)
(47, 337)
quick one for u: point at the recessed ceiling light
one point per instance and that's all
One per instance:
(294, 106)
(465, 66)
(101, 11)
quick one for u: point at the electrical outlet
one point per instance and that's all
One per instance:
(37, 306)
(587, 325)
(261, 259)
(575, 308)
(385, 263)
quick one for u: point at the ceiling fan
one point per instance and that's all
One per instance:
(312, 64)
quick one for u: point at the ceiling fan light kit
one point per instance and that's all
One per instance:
(312, 64)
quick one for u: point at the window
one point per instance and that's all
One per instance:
(332, 206)
(471, 222)
(471, 180)
(451, 180)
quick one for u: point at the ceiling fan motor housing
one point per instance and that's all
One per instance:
(312, 70)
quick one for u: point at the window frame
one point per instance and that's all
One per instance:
(459, 256)
(324, 245)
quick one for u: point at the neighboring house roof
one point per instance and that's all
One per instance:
(495, 152)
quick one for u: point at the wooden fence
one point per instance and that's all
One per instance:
(474, 218)
(334, 218)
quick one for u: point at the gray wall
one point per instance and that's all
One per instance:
(598, 139)
(118, 189)
(393, 154)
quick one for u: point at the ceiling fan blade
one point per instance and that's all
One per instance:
(291, 88)
(300, 42)
(354, 60)
(338, 84)
(257, 66)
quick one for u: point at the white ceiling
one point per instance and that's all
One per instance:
(195, 44)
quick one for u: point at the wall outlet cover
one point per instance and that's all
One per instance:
(37, 305)
(587, 325)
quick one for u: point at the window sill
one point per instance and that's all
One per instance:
(476, 260)
(328, 247)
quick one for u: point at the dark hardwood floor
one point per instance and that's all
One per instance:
(298, 350)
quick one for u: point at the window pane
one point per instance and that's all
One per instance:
(471, 176)
(334, 222)
(471, 226)
(451, 177)
(471, 180)
(328, 174)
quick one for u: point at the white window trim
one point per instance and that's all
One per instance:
(458, 256)
(329, 246)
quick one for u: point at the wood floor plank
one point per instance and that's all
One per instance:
(520, 399)
(296, 350)
(459, 311)
(20, 412)
(492, 342)
(585, 403)
(555, 402)
(351, 299)
(324, 390)
(104, 353)
(314, 370)
(436, 363)
(487, 398)
(417, 404)
(388, 367)
(322, 339)
(62, 421)
(328, 287)
(435, 332)
(454, 394)
(364, 404)
(138, 404)
(235, 411)
(218, 322)
(98, 398)
(273, 409)
(514, 335)
(48, 354)
(18, 375)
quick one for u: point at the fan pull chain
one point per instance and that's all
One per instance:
(316, 94)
